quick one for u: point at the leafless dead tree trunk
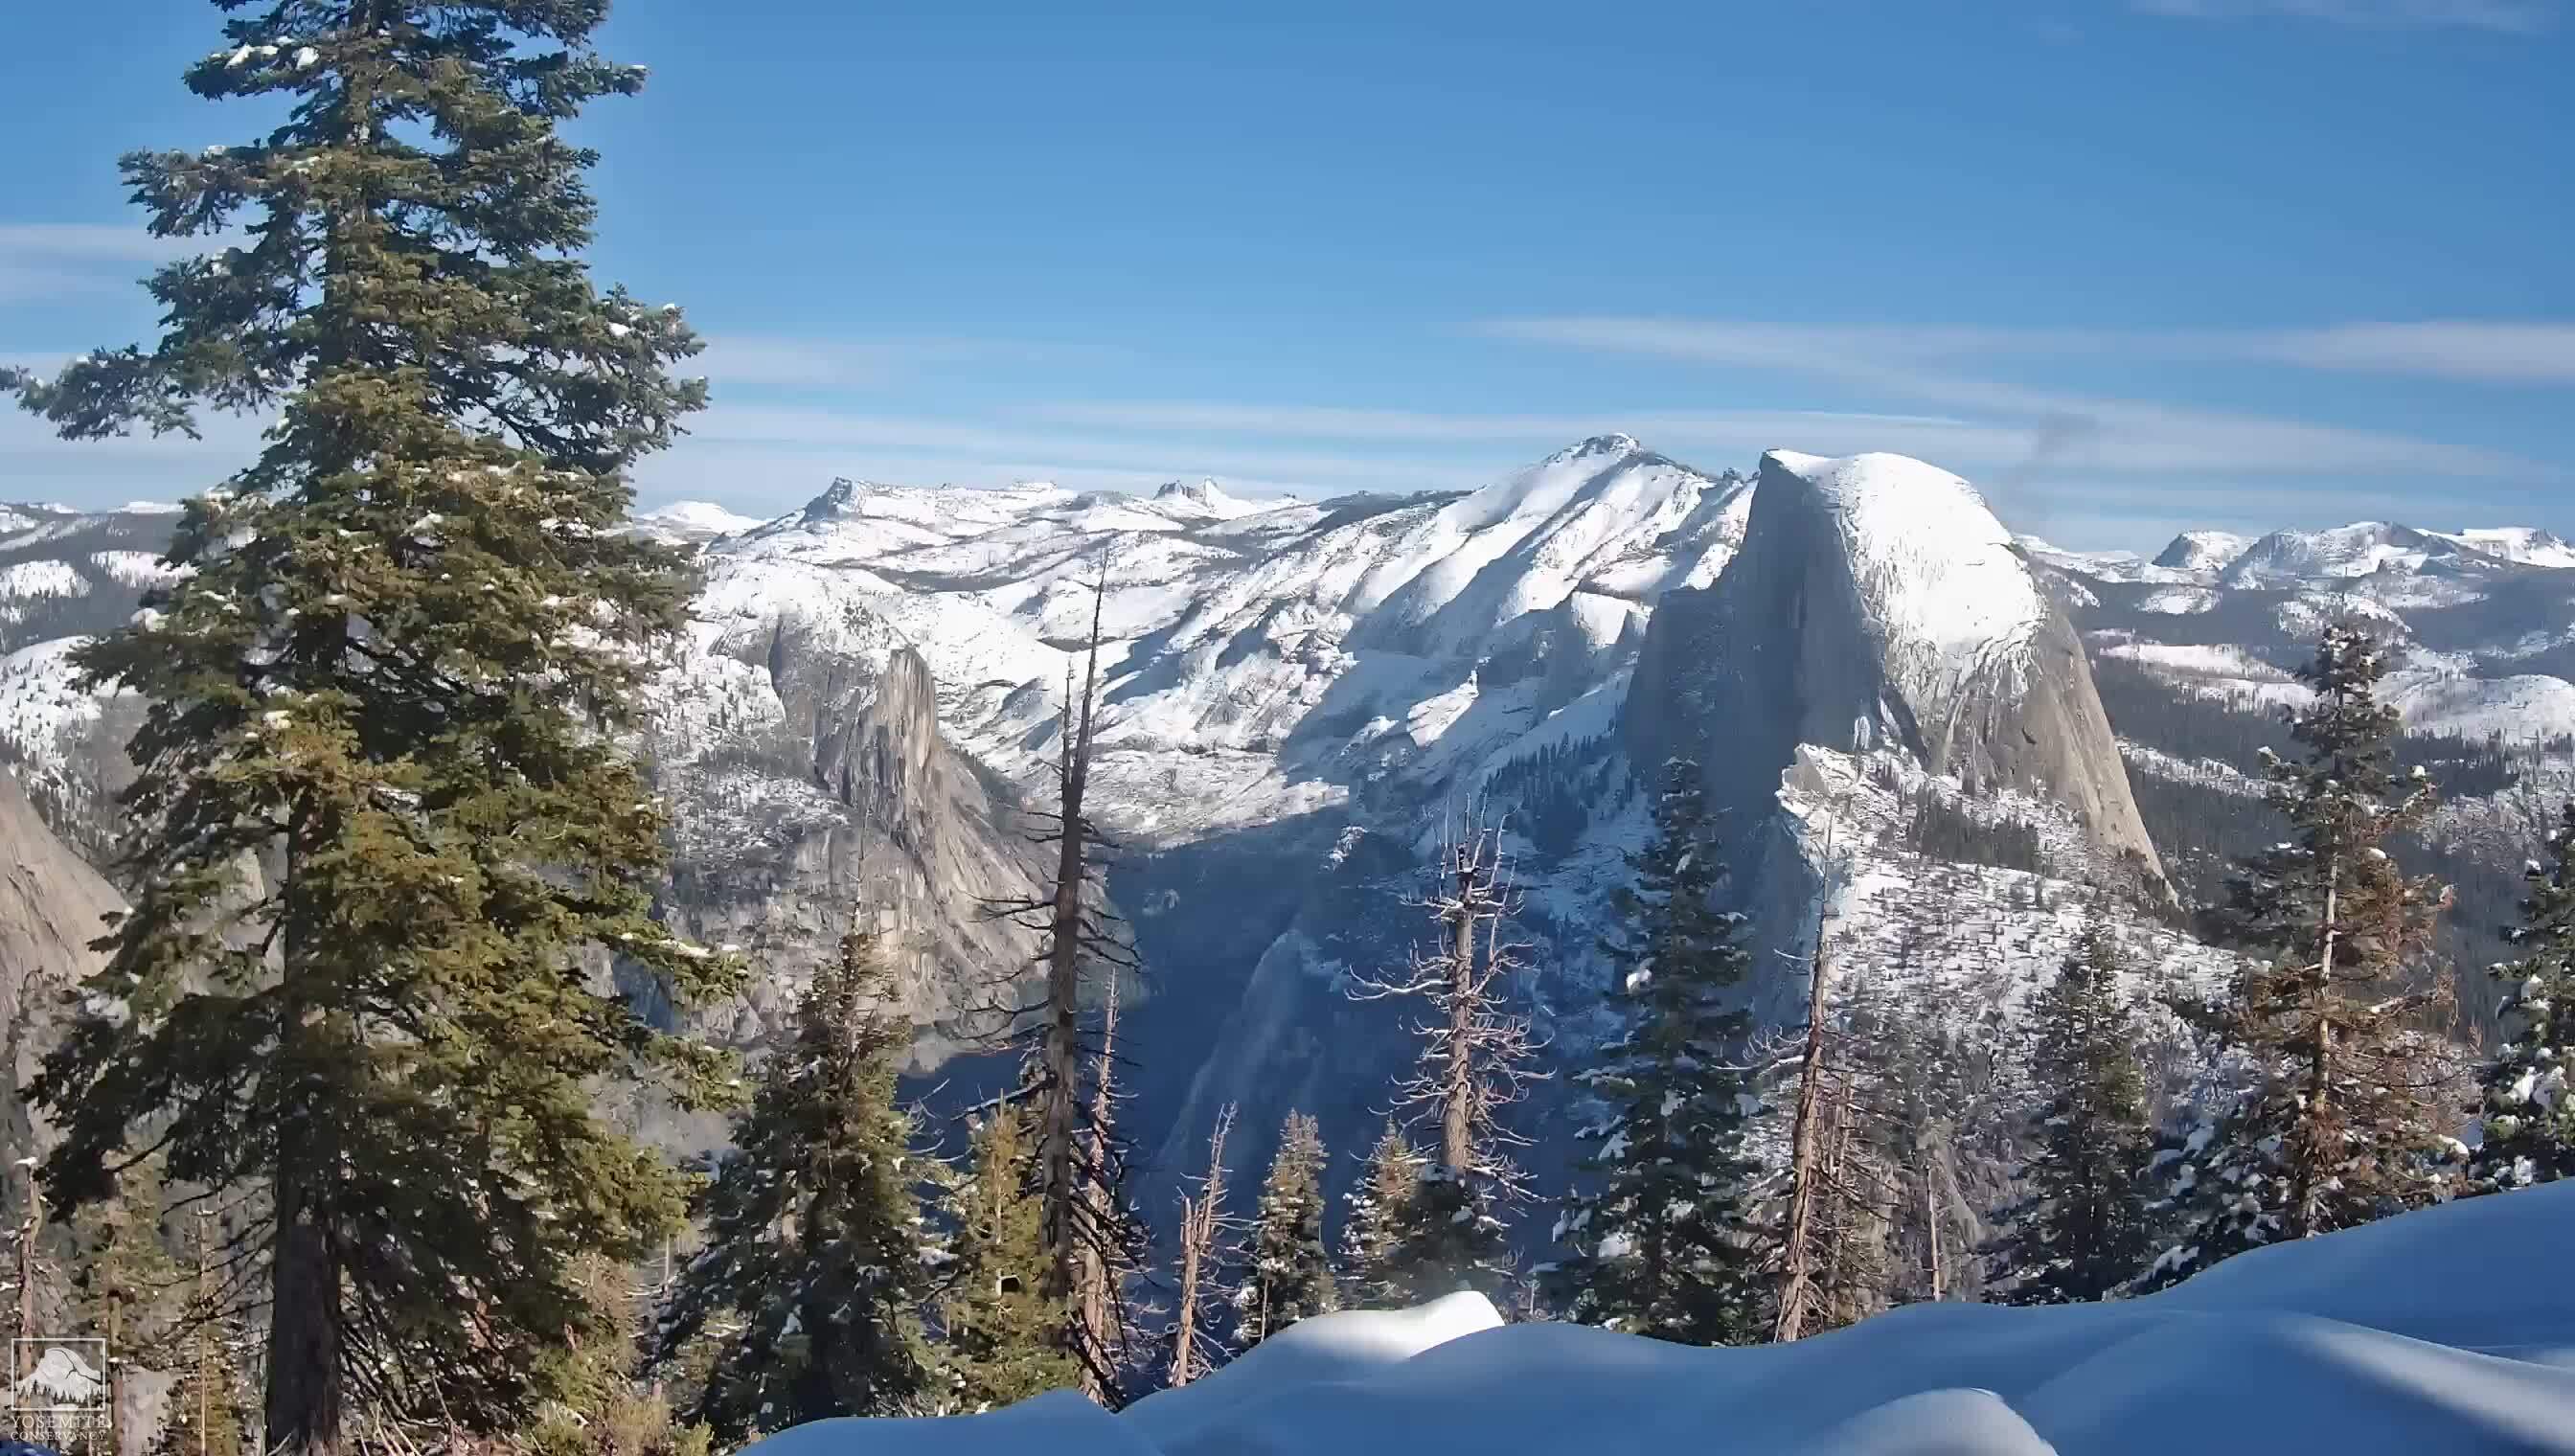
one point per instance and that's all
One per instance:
(1201, 1220)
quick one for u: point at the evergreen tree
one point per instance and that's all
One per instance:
(2083, 1231)
(1662, 1245)
(815, 1262)
(1379, 1210)
(1000, 1331)
(2529, 1119)
(126, 1281)
(381, 818)
(1290, 1273)
(2341, 1119)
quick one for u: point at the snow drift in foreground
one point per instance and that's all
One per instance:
(2451, 1330)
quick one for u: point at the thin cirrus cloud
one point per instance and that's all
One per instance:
(1920, 365)
(47, 260)
(785, 363)
(2515, 17)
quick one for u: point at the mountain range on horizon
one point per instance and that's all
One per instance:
(1889, 688)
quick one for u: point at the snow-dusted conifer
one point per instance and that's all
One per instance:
(2082, 1232)
(1661, 1245)
(382, 824)
(1378, 1209)
(816, 1265)
(1001, 1334)
(2529, 1115)
(1290, 1273)
(2342, 1116)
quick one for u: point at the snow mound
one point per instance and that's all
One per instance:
(2448, 1330)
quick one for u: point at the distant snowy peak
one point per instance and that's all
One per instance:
(2203, 551)
(695, 521)
(2521, 544)
(1207, 499)
(1596, 447)
(2342, 551)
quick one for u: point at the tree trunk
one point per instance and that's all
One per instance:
(1458, 1114)
(2307, 1178)
(305, 1388)
(1797, 1270)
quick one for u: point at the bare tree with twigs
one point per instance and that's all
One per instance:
(1476, 1061)
(1196, 1346)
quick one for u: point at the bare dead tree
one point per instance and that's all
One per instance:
(1477, 1054)
(1090, 1234)
(1799, 1233)
(1194, 1349)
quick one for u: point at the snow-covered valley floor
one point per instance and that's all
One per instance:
(2450, 1331)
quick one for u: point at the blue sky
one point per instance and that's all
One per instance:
(2129, 264)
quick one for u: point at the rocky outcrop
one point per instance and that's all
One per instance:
(1877, 602)
(51, 906)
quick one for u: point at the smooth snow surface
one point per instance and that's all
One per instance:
(2450, 1331)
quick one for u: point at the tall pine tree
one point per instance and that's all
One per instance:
(2529, 1117)
(381, 822)
(2342, 1116)
(815, 1263)
(1661, 1243)
(1001, 1332)
(1290, 1266)
(2082, 1232)
(1379, 1208)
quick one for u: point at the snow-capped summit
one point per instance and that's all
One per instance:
(2521, 544)
(1944, 591)
(2358, 550)
(2203, 551)
(695, 521)
(1876, 603)
(1597, 445)
(1203, 498)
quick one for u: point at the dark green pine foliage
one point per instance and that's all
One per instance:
(1447, 1238)
(815, 1270)
(1661, 1244)
(382, 827)
(1379, 1208)
(1001, 1337)
(2344, 1106)
(2529, 1119)
(2083, 1231)
(1291, 1267)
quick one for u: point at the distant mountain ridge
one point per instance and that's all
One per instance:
(1302, 696)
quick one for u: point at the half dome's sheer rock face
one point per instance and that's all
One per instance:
(51, 906)
(1878, 604)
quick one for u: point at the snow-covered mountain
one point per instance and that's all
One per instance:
(1888, 687)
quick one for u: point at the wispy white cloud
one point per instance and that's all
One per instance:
(47, 260)
(2511, 353)
(2518, 17)
(770, 362)
(2067, 428)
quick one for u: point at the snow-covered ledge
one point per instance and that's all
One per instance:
(2449, 1331)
